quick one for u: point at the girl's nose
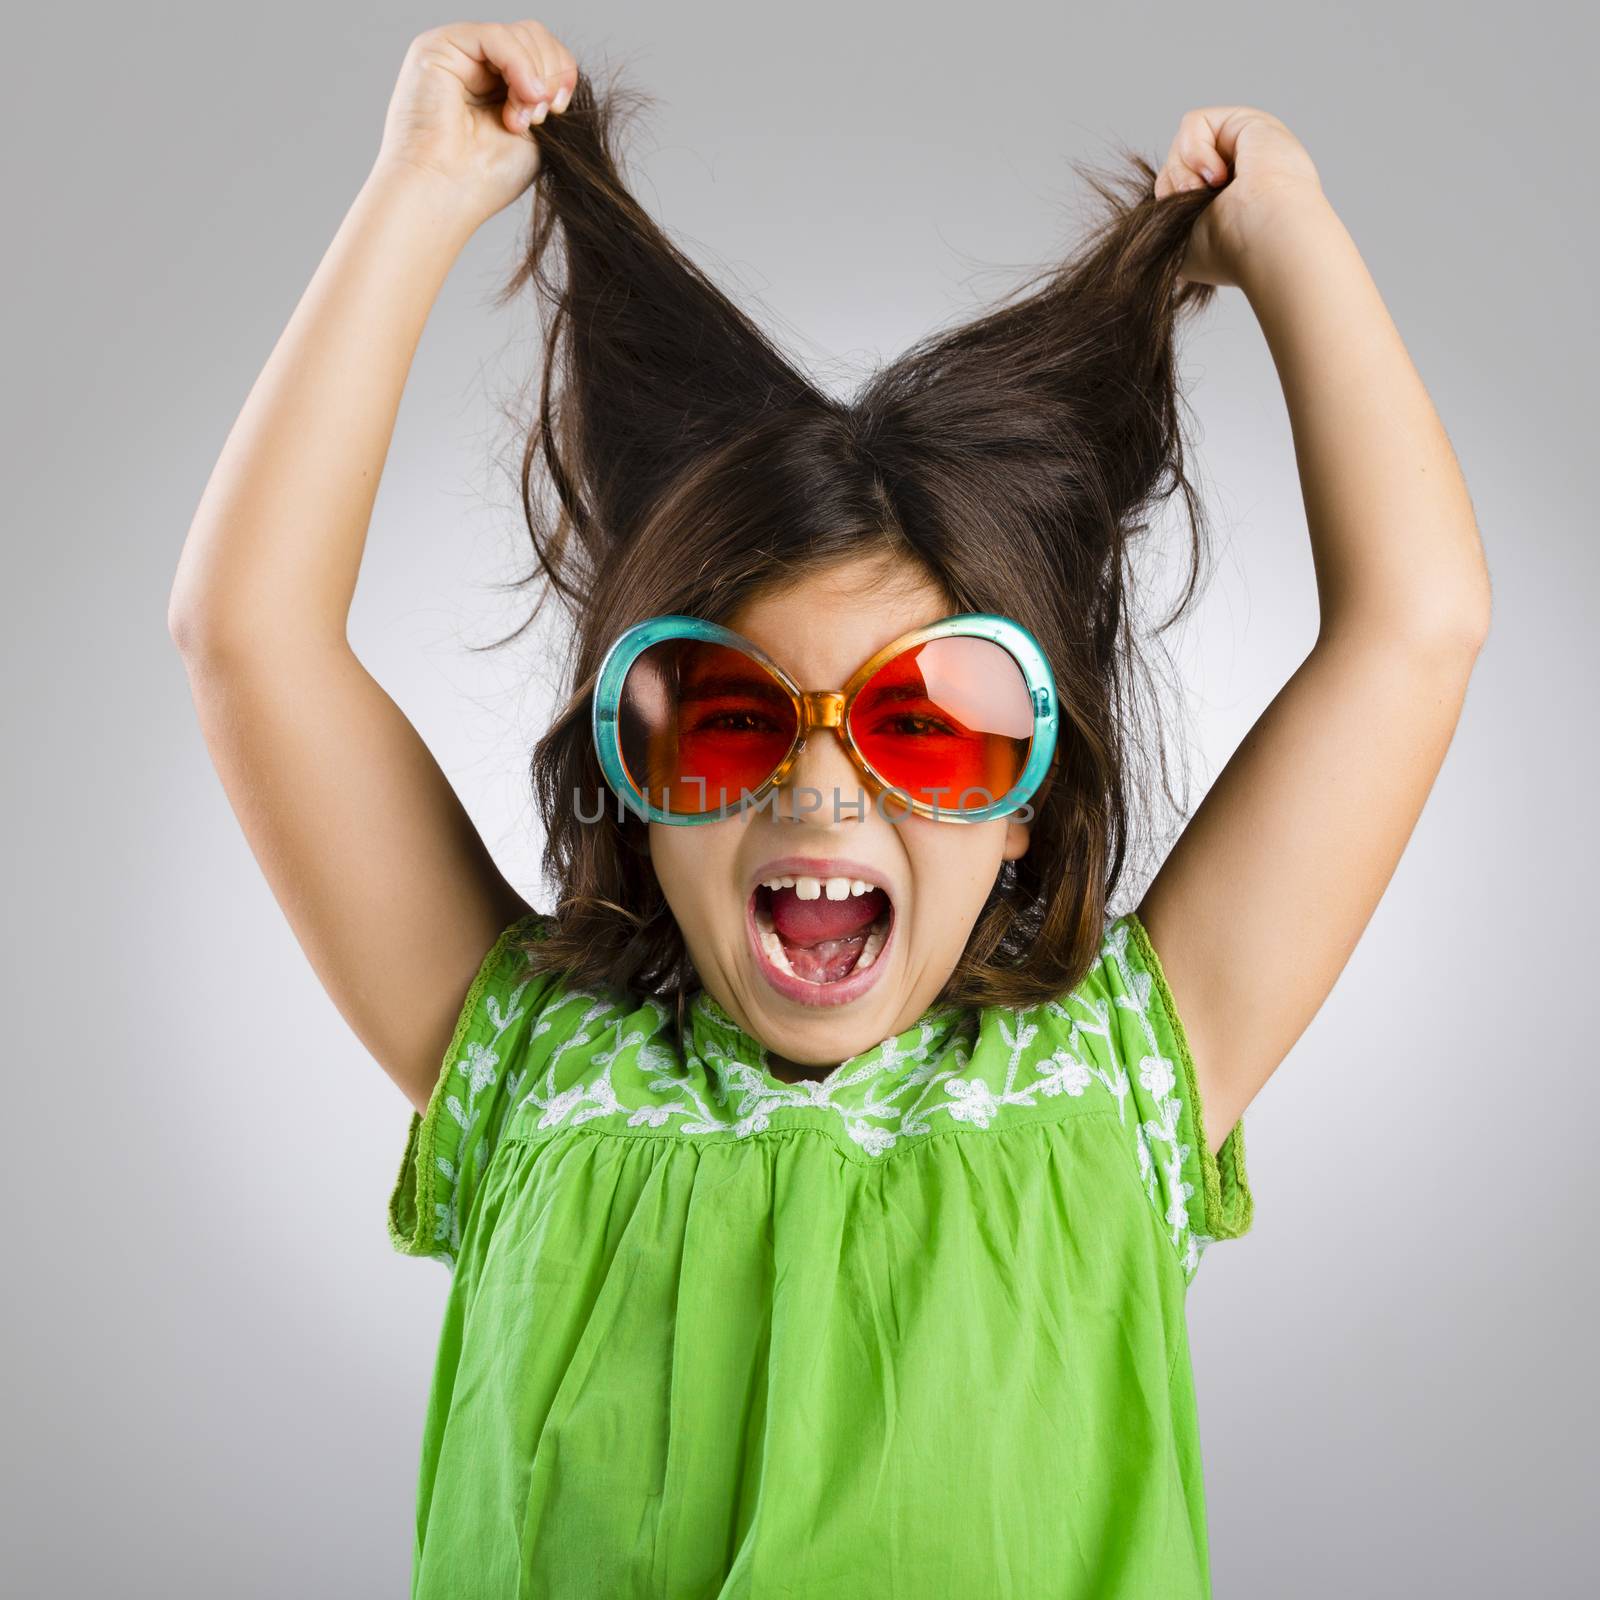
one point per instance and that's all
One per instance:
(824, 784)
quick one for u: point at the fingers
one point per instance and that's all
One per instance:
(558, 68)
(523, 60)
(546, 79)
(516, 50)
(1196, 159)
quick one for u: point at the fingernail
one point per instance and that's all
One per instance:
(1209, 174)
(538, 112)
(540, 89)
(563, 95)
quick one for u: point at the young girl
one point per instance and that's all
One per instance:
(821, 1182)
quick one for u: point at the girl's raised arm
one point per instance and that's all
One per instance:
(1262, 899)
(378, 868)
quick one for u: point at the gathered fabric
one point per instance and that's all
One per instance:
(913, 1328)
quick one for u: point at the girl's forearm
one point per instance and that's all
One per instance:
(1394, 538)
(275, 547)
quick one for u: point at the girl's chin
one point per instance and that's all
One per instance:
(783, 982)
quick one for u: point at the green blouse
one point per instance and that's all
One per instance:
(914, 1328)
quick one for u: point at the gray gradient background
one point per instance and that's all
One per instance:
(216, 1367)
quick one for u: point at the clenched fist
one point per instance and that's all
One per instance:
(466, 104)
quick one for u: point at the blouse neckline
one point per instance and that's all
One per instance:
(719, 1040)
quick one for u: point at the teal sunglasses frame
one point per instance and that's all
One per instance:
(822, 709)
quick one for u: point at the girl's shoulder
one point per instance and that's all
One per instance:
(1119, 1027)
(1124, 976)
(524, 1034)
(541, 1013)
(1120, 1002)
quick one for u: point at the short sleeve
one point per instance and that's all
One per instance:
(1200, 1197)
(448, 1149)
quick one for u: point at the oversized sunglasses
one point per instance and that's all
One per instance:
(694, 723)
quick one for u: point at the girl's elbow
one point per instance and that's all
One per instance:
(1475, 613)
(1458, 628)
(1453, 618)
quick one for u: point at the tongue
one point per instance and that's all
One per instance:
(811, 921)
(822, 938)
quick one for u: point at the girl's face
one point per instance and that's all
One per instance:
(821, 824)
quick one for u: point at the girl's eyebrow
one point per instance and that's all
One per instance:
(763, 688)
(897, 691)
(729, 683)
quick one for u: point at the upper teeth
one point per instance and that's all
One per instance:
(814, 888)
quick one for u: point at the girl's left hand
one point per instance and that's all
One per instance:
(1261, 164)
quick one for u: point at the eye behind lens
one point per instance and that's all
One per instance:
(702, 724)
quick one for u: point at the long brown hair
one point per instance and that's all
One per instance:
(679, 462)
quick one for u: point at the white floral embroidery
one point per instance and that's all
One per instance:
(1159, 1077)
(1069, 1075)
(892, 1092)
(974, 1101)
(480, 1063)
(478, 1066)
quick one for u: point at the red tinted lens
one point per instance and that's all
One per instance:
(701, 725)
(948, 721)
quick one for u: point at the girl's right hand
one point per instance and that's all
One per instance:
(462, 110)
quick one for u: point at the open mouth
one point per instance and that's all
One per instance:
(821, 931)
